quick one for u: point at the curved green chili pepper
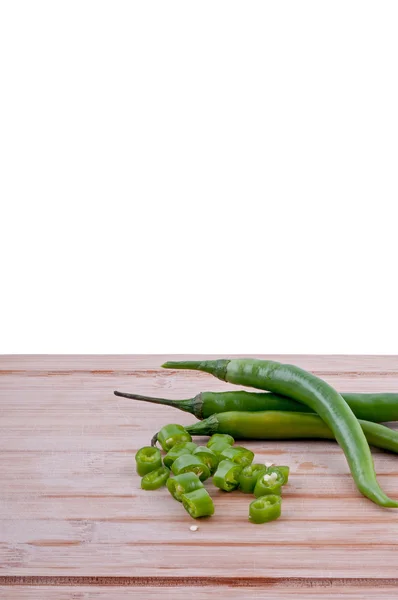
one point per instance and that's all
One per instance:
(265, 509)
(379, 407)
(148, 459)
(207, 456)
(249, 475)
(227, 475)
(189, 463)
(198, 503)
(238, 454)
(155, 479)
(170, 435)
(182, 484)
(269, 483)
(304, 387)
(176, 451)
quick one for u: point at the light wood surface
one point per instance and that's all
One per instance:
(71, 505)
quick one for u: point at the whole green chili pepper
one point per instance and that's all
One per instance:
(207, 456)
(148, 459)
(155, 479)
(265, 509)
(170, 435)
(227, 475)
(189, 463)
(304, 387)
(198, 503)
(238, 454)
(269, 483)
(182, 484)
(379, 407)
(176, 451)
(249, 475)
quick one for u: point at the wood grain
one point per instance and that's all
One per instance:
(70, 502)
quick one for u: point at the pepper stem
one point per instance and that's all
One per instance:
(218, 368)
(154, 439)
(206, 427)
(185, 405)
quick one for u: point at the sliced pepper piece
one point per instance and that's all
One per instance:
(189, 463)
(238, 454)
(269, 483)
(183, 484)
(148, 459)
(220, 437)
(265, 509)
(227, 475)
(198, 503)
(178, 450)
(249, 475)
(173, 434)
(155, 479)
(281, 469)
(207, 456)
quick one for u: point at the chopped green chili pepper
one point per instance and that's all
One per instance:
(183, 484)
(220, 437)
(189, 463)
(170, 435)
(198, 503)
(218, 447)
(227, 475)
(265, 509)
(208, 457)
(300, 385)
(249, 475)
(148, 459)
(178, 450)
(238, 454)
(284, 471)
(269, 483)
(155, 479)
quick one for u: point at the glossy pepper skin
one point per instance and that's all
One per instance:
(155, 479)
(208, 457)
(378, 408)
(265, 509)
(192, 464)
(170, 435)
(249, 475)
(239, 455)
(198, 503)
(220, 438)
(227, 475)
(272, 425)
(177, 451)
(291, 381)
(182, 484)
(147, 459)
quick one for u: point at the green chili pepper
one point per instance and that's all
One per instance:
(198, 503)
(218, 438)
(178, 450)
(249, 475)
(238, 454)
(189, 463)
(182, 484)
(269, 483)
(378, 408)
(155, 479)
(304, 387)
(218, 447)
(265, 509)
(170, 435)
(284, 471)
(208, 457)
(227, 475)
(148, 459)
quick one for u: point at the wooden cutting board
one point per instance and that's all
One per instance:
(74, 522)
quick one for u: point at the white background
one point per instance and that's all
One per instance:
(208, 176)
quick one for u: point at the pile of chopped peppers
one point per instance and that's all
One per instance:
(186, 466)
